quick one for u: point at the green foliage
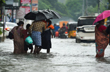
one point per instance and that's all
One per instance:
(73, 8)
(1, 31)
(2, 2)
(54, 5)
(109, 4)
(1, 28)
(94, 9)
(43, 4)
(92, 3)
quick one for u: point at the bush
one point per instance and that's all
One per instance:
(1, 31)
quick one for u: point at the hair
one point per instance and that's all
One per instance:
(63, 24)
(54, 24)
(100, 21)
(20, 23)
(49, 21)
(27, 26)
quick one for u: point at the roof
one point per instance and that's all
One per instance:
(72, 22)
(85, 17)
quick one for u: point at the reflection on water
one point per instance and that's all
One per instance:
(65, 56)
(9, 62)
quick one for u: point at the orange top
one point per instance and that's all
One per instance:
(51, 26)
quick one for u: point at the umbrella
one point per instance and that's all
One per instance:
(38, 15)
(42, 15)
(55, 14)
(102, 16)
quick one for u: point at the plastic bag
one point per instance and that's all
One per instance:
(29, 40)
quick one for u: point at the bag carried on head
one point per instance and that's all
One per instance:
(28, 40)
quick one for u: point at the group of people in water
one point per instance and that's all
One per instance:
(38, 31)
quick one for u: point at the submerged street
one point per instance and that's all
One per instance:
(65, 56)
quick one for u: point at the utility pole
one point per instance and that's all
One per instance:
(86, 5)
(83, 10)
(12, 14)
(98, 6)
(31, 6)
(3, 23)
(108, 4)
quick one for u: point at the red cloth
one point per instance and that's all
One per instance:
(66, 28)
(102, 27)
(25, 34)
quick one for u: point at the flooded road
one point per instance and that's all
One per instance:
(65, 56)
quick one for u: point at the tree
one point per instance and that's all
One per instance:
(74, 8)
(54, 5)
(109, 4)
(2, 2)
(103, 6)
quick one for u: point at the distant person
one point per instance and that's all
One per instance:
(56, 28)
(101, 39)
(63, 29)
(53, 30)
(26, 34)
(18, 39)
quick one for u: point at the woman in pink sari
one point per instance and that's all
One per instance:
(18, 39)
(101, 39)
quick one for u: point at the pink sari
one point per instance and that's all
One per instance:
(101, 41)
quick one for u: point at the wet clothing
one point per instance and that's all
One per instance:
(46, 37)
(18, 40)
(26, 46)
(36, 37)
(101, 41)
(25, 33)
(37, 26)
(36, 29)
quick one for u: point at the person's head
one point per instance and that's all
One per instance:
(20, 23)
(49, 22)
(63, 24)
(27, 26)
(67, 24)
(57, 24)
(54, 24)
(101, 22)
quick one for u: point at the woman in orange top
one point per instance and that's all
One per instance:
(46, 36)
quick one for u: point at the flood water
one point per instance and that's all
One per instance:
(65, 56)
